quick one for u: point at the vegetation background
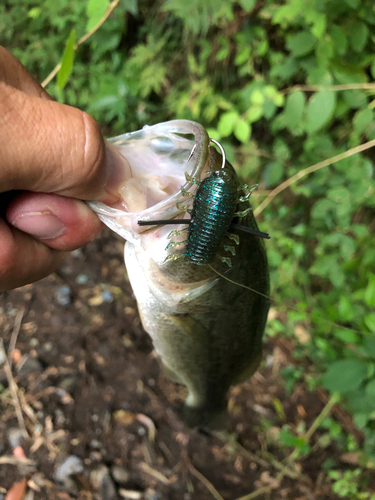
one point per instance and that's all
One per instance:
(283, 85)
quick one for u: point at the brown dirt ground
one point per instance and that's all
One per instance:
(89, 385)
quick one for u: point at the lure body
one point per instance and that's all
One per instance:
(213, 210)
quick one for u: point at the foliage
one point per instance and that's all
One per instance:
(236, 67)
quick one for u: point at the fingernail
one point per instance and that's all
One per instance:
(117, 168)
(42, 225)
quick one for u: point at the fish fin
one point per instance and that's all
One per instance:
(171, 374)
(189, 326)
(249, 370)
(206, 419)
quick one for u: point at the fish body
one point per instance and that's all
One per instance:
(207, 329)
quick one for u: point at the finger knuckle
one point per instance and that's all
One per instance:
(93, 148)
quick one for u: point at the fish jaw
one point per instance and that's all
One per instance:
(159, 156)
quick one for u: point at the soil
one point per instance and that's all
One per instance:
(89, 385)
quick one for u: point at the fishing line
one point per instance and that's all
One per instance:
(276, 302)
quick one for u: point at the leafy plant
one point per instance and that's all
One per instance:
(283, 85)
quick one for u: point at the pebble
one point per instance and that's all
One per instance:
(70, 466)
(15, 437)
(63, 295)
(120, 474)
(68, 383)
(107, 296)
(95, 444)
(82, 279)
(27, 365)
(102, 482)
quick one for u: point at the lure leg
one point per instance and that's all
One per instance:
(234, 237)
(183, 208)
(248, 190)
(177, 232)
(243, 213)
(189, 178)
(175, 244)
(230, 249)
(173, 256)
(186, 193)
(226, 260)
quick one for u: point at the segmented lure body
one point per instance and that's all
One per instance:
(213, 210)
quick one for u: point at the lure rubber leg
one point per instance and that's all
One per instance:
(177, 232)
(186, 193)
(173, 256)
(226, 260)
(230, 249)
(189, 178)
(247, 190)
(183, 208)
(243, 213)
(175, 244)
(234, 237)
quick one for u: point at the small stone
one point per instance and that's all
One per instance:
(70, 466)
(15, 437)
(28, 365)
(153, 495)
(63, 295)
(107, 296)
(68, 383)
(120, 474)
(102, 482)
(95, 444)
(82, 279)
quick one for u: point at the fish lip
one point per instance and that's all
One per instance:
(126, 223)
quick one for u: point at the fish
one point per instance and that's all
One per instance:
(206, 318)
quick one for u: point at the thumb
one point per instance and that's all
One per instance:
(54, 148)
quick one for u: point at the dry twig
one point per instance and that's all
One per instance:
(82, 40)
(309, 170)
(14, 336)
(14, 391)
(211, 488)
(335, 88)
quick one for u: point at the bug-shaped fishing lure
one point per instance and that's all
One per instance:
(214, 208)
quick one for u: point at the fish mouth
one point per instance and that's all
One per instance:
(158, 156)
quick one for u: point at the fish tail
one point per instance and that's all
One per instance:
(206, 417)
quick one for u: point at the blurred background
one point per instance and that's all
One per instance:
(283, 85)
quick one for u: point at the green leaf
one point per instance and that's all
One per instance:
(370, 291)
(242, 131)
(295, 105)
(301, 44)
(339, 39)
(320, 109)
(67, 61)
(346, 336)
(345, 375)
(247, 5)
(354, 4)
(34, 13)
(362, 120)
(370, 388)
(370, 322)
(95, 11)
(273, 173)
(227, 122)
(358, 36)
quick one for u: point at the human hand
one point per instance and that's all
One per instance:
(52, 156)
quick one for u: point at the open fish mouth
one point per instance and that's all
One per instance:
(158, 156)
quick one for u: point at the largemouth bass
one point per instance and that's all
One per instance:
(206, 327)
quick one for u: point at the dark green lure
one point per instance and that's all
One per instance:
(213, 211)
